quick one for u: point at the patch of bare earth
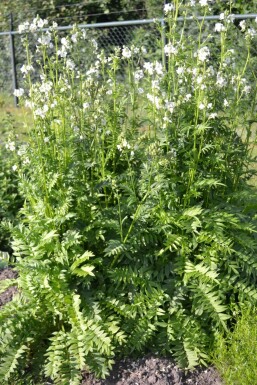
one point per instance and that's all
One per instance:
(8, 294)
(152, 370)
(149, 370)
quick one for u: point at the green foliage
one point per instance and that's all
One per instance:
(10, 200)
(138, 230)
(235, 354)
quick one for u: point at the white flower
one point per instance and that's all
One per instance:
(188, 97)
(221, 82)
(168, 8)
(10, 146)
(41, 111)
(231, 18)
(126, 53)
(213, 115)
(149, 68)
(109, 92)
(26, 68)
(85, 105)
(201, 106)
(139, 75)
(226, 103)
(62, 52)
(222, 16)
(158, 68)
(74, 37)
(247, 89)
(219, 27)
(65, 42)
(169, 49)
(23, 27)
(41, 23)
(14, 167)
(203, 54)
(26, 161)
(46, 139)
(192, 3)
(29, 104)
(143, 50)
(155, 100)
(123, 144)
(170, 106)
(140, 91)
(242, 25)
(46, 87)
(18, 92)
(209, 105)
(180, 70)
(203, 3)
(45, 39)
(251, 32)
(70, 64)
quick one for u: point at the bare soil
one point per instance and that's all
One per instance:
(149, 370)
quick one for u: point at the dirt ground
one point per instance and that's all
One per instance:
(149, 370)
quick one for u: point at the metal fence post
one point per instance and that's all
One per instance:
(164, 61)
(13, 61)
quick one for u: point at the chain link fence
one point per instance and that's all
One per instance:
(109, 36)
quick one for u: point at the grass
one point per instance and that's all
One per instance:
(13, 119)
(236, 355)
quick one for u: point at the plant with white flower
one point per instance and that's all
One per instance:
(149, 67)
(155, 100)
(203, 54)
(74, 37)
(41, 112)
(10, 146)
(70, 65)
(169, 7)
(126, 53)
(26, 68)
(219, 27)
(201, 106)
(213, 115)
(139, 74)
(187, 97)
(46, 87)
(221, 81)
(225, 103)
(18, 92)
(222, 16)
(123, 145)
(45, 40)
(158, 67)
(170, 49)
(203, 3)
(250, 33)
(242, 25)
(15, 167)
(23, 27)
(247, 89)
(170, 106)
(180, 70)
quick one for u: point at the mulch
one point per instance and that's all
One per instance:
(148, 370)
